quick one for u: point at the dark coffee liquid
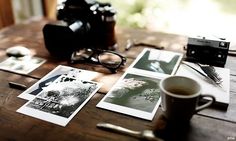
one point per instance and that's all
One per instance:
(179, 91)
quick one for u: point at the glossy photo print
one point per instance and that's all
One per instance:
(135, 95)
(137, 92)
(157, 62)
(60, 101)
(48, 79)
(21, 65)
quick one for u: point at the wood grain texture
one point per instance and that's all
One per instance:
(6, 13)
(49, 8)
(210, 124)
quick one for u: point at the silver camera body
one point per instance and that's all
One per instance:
(206, 50)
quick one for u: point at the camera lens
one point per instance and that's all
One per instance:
(76, 25)
(222, 44)
(79, 27)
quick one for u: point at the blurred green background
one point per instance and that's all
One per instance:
(188, 17)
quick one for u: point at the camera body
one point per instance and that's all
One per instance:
(81, 24)
(212, 51)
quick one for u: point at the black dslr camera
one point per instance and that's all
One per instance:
(81, 24)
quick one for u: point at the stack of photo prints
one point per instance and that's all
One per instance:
(137, 92)
(59, 95)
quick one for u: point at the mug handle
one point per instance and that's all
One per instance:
(209, 103)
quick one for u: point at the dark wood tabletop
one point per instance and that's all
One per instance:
(211, 124)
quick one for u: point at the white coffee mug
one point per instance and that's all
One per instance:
(180, 98)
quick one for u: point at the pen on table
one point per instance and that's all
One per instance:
(17, 86)
(133, 44)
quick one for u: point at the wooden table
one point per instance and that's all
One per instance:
(210, 124)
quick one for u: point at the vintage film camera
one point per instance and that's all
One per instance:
(81, 24)
(207, 50)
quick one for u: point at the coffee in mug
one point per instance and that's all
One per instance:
(180, 98)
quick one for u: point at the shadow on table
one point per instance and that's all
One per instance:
(170, 131)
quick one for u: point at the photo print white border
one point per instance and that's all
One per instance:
(154, 56)
(21, 65)
(128, 110)
(36, 88)
(61, 101)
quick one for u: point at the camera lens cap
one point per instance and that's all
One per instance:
(17, 51)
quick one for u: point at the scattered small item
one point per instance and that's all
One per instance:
(211, 72)
(206, 73)
(145, 134)
(220, 91)
(17, 86)
(18, 51)
(131, 43)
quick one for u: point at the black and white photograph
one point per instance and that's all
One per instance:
(137, 92)
(48, 79)
(157, 62)
(22, 65)
(59, 102)
(135, 95)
